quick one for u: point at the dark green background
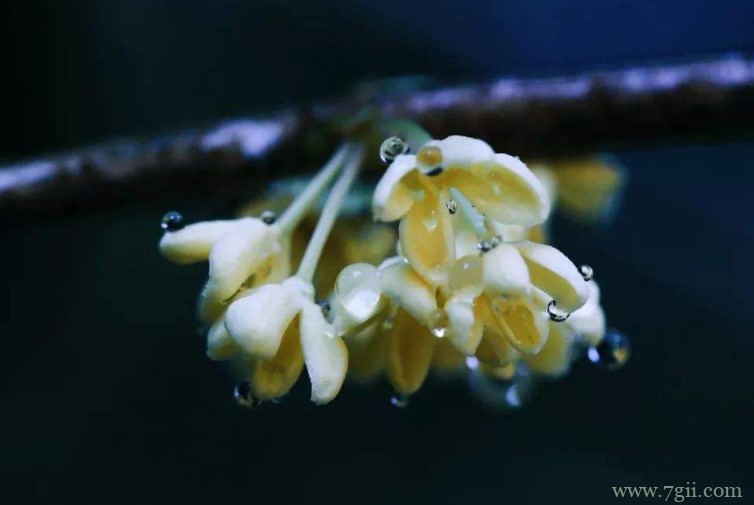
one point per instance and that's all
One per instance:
(106, 394)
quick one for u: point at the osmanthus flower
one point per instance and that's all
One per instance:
(585, 327)
(587, 187)
(415, 189)
(279, 327)
(242, 253)
(499, 301)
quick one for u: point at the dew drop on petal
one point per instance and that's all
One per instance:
(452, 206)
(556, 313)
(358, 289)
(399, 401)
(430, 157)
(172, 221)
(268, 217)
(586, 272)
(489, 242)
(242, 394)
(438, 323)
(466, 272)
(392, 147)
(612, 352)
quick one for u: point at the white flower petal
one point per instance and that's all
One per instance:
(505, 272)
(465, 329)
(325, 355)
(404, 286)
(588, 322)
(256, 323)
(552, 272)
(459, 151)
(238, 254)
(220, 346)
(193, 243)
(392, 199)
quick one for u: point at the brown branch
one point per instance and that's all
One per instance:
(528, 117)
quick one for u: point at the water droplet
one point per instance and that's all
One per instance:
(399, 401)
(438, 323)
(586, 272)
(466, 272)
(499, 392)
(452, 206)
(392, 147)
(612, 352)
(172, 221)
(430, 159)
(430, 223)
(324, 305)
(268, 217)
(388, 323)
(489, 242)
(242, 394)
(556, 313)
(358, 290)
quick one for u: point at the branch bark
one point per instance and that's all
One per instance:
(545, 117)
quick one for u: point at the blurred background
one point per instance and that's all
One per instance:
(106, 394)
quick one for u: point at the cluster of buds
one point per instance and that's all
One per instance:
(470, 287)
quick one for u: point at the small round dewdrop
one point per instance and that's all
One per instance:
(556, 313)
(358, 290)
(392, 147)
(430, 160)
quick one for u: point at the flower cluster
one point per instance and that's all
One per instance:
(471, 284)
(466, 282)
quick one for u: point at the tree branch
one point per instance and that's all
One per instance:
(528, 117)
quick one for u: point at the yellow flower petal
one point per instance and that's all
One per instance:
(505, 272)
(220, 346)
(521, 322)
(366, 352)
(552, 272)
(496, 350)
(464, 327)
(325, 355)
(392, 198)
(426, 238)
(256, 323)
(589, 187)
(446, 358)
(272, 378)
(237, 255)
(505, 190)
(193, 243)
(555, 357)
(409, 354)
(400, 283)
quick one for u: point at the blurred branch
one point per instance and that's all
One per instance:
(528, 117)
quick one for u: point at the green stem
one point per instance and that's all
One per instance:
(303, 203)
(329, 214)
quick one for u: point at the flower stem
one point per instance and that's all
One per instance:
(303, 203)
(329, 214)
